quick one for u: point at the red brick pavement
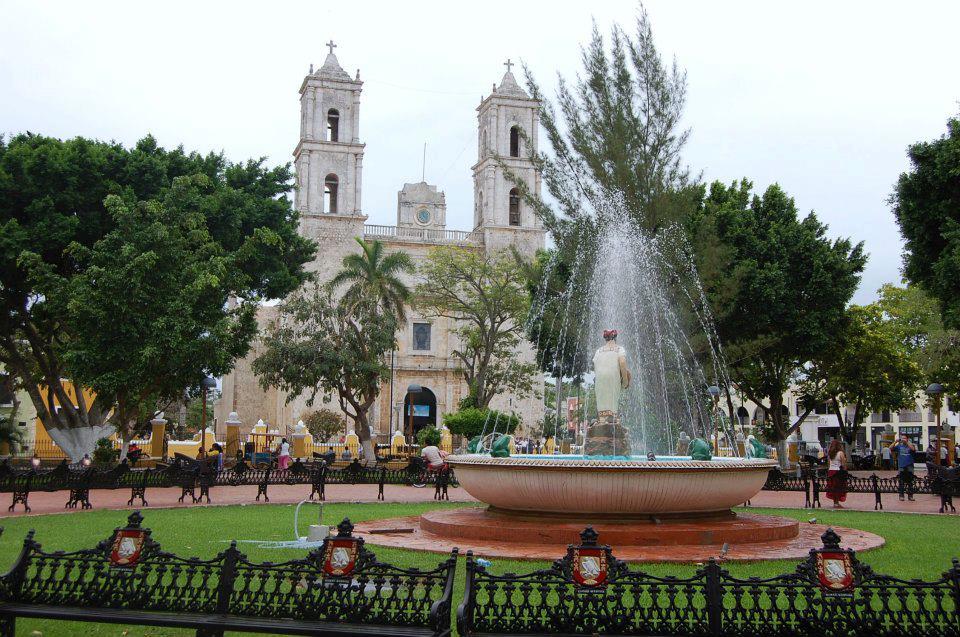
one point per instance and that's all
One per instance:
(41, 503)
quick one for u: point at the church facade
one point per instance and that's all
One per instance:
(328, 162)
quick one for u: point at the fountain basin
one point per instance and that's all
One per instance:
(616, 486)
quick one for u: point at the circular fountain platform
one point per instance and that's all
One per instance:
(496, 534)
(497, 526)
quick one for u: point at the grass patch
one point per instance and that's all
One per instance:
(917, 545)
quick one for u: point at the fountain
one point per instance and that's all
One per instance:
(632, 299)
(627, 479)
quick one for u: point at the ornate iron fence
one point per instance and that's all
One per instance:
(939, 481)
(196, 479)
(338, 588)
(589, 592)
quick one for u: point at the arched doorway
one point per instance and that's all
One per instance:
(743, 416)
(424, 412)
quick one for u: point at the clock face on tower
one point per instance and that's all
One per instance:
(423, 216)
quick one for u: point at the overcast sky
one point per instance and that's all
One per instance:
(821, 97)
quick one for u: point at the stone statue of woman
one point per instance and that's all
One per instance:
(608, 435)
(612, 374)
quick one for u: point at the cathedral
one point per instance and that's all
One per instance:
(329, 178)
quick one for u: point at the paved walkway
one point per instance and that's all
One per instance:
(41, 503)
(52, 502)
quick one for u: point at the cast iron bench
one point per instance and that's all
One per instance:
(337, 589)
(590, 592)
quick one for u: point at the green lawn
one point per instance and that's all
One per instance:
(917, 545)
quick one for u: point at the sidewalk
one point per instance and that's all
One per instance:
(43, 503)
(52, 502)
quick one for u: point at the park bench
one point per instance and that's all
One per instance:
(337, 589)
(590, 592)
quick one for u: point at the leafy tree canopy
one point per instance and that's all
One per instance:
(617, 141)
(324, 424)
(336, 345)
(90, 233)
(926, 202)
(868, 369)
(794, 286)
(913, 316)
(486, 297)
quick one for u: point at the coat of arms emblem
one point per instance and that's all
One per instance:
(340, 557)
(127, 547)
(589, 566)
(834, 571)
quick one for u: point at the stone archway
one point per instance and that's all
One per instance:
(424, 413)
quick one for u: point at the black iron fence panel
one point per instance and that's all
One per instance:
(339, 582)
(590, 592)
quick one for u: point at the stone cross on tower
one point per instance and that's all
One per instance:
(330, 45)
(508, 64)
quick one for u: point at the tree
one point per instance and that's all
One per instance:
(148, 310)
(323, 424)
(618, 132)
(926, 203)
(868, 368)
(320, 344)
(373, 274)
(53, 216)
(794, 286)
(914, 318)
(486, 297)
(617, 142)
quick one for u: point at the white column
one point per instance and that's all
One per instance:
(494, 204)
(356, 117)
(535, 130)
(347, 187)
(358, 178)
(319, 121)
(300, 195)
(308, 106)
(315, 179)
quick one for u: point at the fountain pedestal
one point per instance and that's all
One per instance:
(607, 437)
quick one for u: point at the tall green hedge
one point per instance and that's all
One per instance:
(470, 422)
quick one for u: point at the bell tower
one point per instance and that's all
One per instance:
(329, 157)
(507, 129)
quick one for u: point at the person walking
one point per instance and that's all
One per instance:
(284, 456)
(887, 458)
(905, 455)
(836, 474)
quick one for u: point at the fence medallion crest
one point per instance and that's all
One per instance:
(340, 552)
(127, 547)
(589, 566)
(835, 572)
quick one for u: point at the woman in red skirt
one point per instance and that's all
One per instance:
(837, 474)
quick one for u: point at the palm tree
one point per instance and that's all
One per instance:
(373, 275)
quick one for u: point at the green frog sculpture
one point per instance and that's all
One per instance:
(499, 446)
(700, 449)
(755, 448)
(474, 445)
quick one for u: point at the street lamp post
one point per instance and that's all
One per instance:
(412, 388)
(205, 384)
(714, 392)
(935, 391)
